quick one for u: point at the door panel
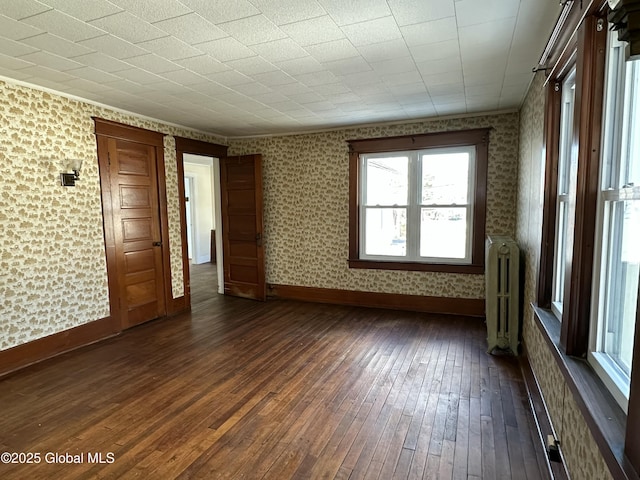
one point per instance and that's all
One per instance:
(243, 256)
(136, 218)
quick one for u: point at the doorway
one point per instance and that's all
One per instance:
(202, 219)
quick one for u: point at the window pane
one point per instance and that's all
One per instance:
(561, 254)
(630, 168)
(445, 178)
(386, 231)
(622, 269)
(387, 181)
(443, 232)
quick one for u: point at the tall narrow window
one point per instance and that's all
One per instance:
(565, 204)
(618, 231)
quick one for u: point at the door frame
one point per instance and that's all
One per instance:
(198, 147)
(110, 129)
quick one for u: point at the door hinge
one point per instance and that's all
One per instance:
(109, 158)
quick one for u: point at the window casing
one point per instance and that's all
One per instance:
(419, 202)
(617, 258)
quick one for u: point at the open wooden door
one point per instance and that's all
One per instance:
(241, 192)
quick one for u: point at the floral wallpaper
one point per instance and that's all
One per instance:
(581, 453)
(306, 206)
(52, 260)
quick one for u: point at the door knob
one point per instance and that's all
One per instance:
(157, 244)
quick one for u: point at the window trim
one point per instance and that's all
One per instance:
(460, 138)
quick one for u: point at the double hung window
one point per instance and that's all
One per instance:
(565, 199)
(617, 259)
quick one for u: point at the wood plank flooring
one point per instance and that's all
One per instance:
(246, 390)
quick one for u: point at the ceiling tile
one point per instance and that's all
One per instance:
(220, 11)
(347, 66)
(336, 50)
(113, 46)
(191, 28)
(317, 78)
(42, 72)
(128, 27)
(140, 76)
(85, 10)
(471, 12)
(252, 65)
(299, 66)
(51, 60)
(403, 78)
(275, 78)
(447, 89)
(15, 30)
(280, 50)
(435, 31)
(93, 75)
(408, 12)
(288, 11)
(395, 65)
(445, 78)
(486, 39)
(64, 25)
(153, 10)
(170, 48)
(435, 51)
(444, 65)
(313, 31)
(372, 31)
(230, 78)
(54, 44)
(253, 88)
(22, 8)
(87, 86)
(9, 72)
(226, 49)
(15, 49)
(183, 77)
(101, 61)
(153, 63)
(13, 63)
(346, 12)
(384, 50)
(203, 64)
(252, 30)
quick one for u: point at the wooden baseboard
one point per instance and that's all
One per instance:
(457, 306)
(557, 470)
(35, 351)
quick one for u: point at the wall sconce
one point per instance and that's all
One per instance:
(625, 19)
(69, 179)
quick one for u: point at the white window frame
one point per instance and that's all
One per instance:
(612, 375)
(414, 205)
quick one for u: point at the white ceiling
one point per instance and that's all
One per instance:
(246, 67)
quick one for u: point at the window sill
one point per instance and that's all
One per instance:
(605, 419)
(416, 266)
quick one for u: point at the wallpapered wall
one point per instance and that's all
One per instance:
(306, 206)
(52, 261)
(578, 446)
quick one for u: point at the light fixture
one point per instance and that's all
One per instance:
(625, 19)
(69, 179)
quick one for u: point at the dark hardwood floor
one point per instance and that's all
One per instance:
(278, 390)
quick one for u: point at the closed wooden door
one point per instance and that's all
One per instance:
(133, 206)
(243, 255)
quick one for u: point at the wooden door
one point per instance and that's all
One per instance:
(129, 178)
(243, 250)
